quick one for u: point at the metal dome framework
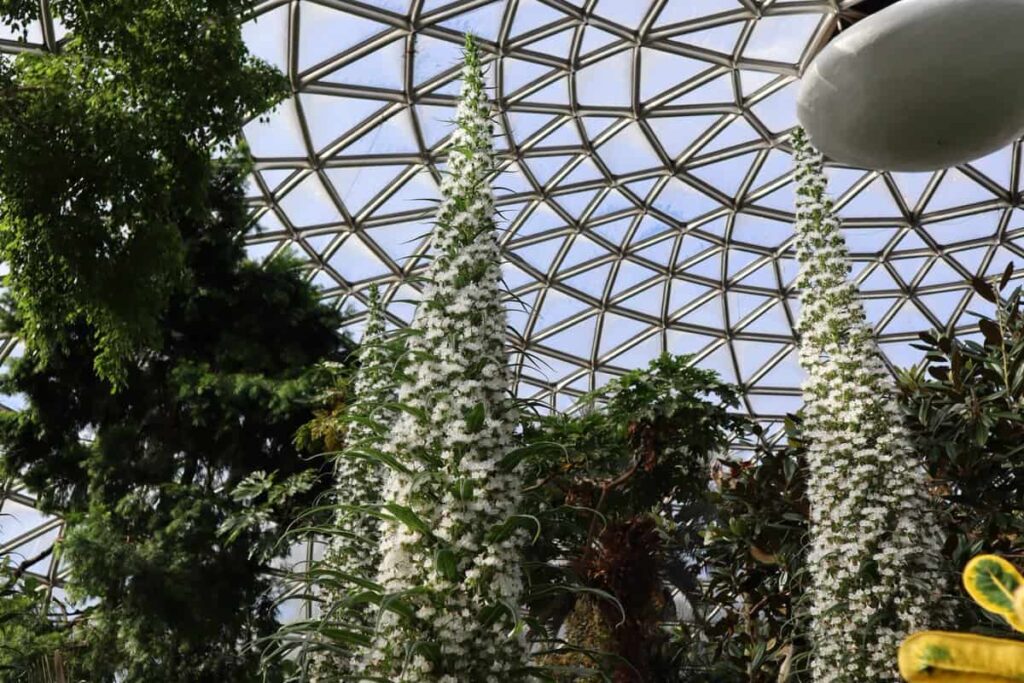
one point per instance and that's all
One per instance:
(645, 180)
(645, 185)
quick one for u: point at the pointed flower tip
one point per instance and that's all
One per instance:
(472, 48)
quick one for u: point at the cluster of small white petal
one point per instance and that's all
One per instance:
(453, 439)
(875, 545)
(354, 546)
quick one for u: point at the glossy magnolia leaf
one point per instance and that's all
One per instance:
(984, 289)
(1007, 274)
(993, 335)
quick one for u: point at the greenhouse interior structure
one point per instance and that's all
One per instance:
(511, 341)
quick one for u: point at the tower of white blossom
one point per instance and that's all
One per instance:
(451, 564)
(875, 546)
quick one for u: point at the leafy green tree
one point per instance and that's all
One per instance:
(145, 476)
(622, 494)
(106, 146)
(964, 405)
(749, 618)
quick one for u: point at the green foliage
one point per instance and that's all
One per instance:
(748, 620)
(30, 643)
(219, 396)
(106, 146)
(621, 494)
(964, 403)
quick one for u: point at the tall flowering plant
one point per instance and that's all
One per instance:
(353, 539)
(451, 550)
(875, 548)
(355, 549)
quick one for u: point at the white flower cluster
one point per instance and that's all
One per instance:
(354, 547)
(452, 555)
(875, 546)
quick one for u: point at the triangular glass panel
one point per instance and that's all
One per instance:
(541, 219)
(436, 122)
(355, 262)
(381, 68)
(556, 92)
(676, 12)
(266, 36)
(308, 203)
(591, 282)
(683, 202)
(519, 72)
(761, 231)
(957, 189)
(595, 38)
(997, 166)
(647, 301)
(576, 203)
(630, 275)
(394, 136)
(908, 319)
(606, 83)
(875, 200)
(531, 14)
(639, 355)
(628, 151)
(782, 38)
(720, 360)
(772, 321)
(327, 32)
(683, 293)
(434, 57)
(576, 340)
(279, 136)
(540, 255)
(660, 71)
(582, 250)
(680, 342)
(717, 91)
(778, 111)
(616, 330)
(752, 355)
(614, 231)
(785, 374)
(752, 81)
(557, 44)
(545, 167)
(418, 193)
(738, 132)
(357, 185)
(912, 186)
(709, 315)
(721, 39)
(742, 304)
(726, 175)
(557, 308)
(483, 22)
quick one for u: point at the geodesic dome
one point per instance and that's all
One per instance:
(645, 182)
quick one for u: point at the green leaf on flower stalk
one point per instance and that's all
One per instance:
(475, 418)
(409, 518)
(445, 564)
(463, 489)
